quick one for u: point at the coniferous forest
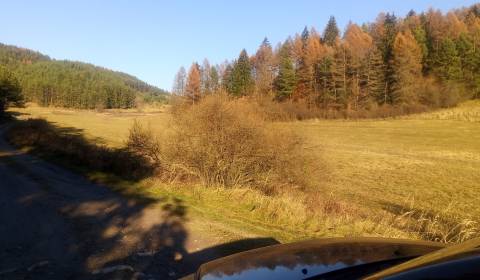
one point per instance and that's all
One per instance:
(70, 84)
(416, 62)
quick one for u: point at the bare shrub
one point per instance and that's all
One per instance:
(143, 142)
(222, 141)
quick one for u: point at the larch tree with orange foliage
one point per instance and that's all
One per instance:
(407, 67)
(193, 87)
(263, 65)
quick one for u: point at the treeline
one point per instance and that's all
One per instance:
(425, 60)
(51, 82)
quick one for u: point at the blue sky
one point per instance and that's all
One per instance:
(152, 39)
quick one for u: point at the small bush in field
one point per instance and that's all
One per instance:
(227, 142)
(143, 142)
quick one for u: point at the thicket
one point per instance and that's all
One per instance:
(224, 141)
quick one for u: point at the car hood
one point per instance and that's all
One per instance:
(310, 258)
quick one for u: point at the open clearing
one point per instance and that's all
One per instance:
(428, 163)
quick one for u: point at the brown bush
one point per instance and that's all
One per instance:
(142, 142)
(227, 142)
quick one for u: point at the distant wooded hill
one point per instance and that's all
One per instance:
(64, 83)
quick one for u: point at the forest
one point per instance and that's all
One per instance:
(414, 63)
(63, 83)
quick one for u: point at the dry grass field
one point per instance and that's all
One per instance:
(416, 176)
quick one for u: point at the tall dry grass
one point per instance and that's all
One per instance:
(444, 226)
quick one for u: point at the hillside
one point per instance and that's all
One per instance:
(74, 84)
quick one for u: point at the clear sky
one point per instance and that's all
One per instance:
(151, 39)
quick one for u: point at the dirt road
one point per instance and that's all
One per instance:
(55, 224)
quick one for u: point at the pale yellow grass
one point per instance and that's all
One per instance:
(108, 127)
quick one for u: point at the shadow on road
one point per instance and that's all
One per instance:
(55, 224)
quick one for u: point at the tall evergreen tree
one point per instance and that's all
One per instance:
(331, 32)
(285, 80)
(374, 76)
(10, 91)
(341, 70)
(242, 82)
(305, 35)
(447, 61)
(227, 78)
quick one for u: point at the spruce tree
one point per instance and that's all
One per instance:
(305, 36)
(10, 91)
(285, 81)
(241, 81)
(447, 61)
(331, 32)
(341, 74)
(374, 77)
(390, 26)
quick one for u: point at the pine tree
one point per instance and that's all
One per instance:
(10, 91)
(374, 77)
(341, 70)
(285, 80)
(386, 46)
(227, 78)
(470, 63)
(331, 32)
(325, 81)
(193, 87)
(305, 35)
(447, 61)
(241, 81)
